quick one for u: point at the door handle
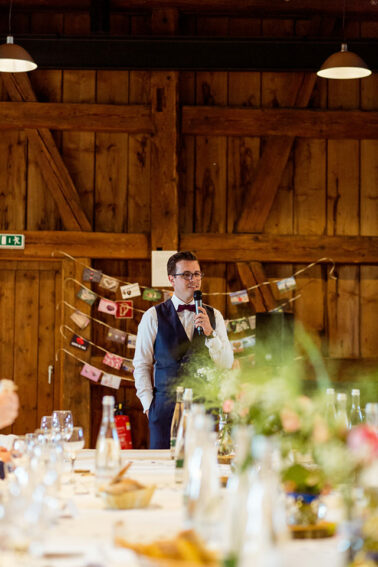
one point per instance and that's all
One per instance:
(50, 372)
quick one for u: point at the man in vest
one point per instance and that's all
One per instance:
(166, 340)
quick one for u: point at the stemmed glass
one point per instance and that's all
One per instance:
(46, 425)
(62, 424)
(73, 445)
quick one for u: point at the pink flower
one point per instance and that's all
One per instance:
(363, 442)
(320, 433)
(228, 406)
(290, 420)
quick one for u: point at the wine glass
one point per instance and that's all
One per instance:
(73, 445)
(62, 424)
(46, 425)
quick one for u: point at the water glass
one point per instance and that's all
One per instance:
(62, 424)
(73, 445)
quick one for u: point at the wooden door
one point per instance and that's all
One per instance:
(29, 337)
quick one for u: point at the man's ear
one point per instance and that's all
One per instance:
(171, 280)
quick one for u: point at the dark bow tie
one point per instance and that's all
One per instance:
(182, 307)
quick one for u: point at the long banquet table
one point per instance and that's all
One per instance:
(84, 533)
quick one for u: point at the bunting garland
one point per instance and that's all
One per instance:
(124, 309)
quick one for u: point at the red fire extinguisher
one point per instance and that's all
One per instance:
(123, 426)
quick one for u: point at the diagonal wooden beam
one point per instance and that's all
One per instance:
(53, 169)
(252, 274)
(258, 202)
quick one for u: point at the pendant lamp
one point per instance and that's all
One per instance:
(13, 57)
(344, 64)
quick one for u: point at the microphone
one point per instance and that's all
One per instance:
(198, 303)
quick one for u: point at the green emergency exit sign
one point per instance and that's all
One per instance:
(12, 241)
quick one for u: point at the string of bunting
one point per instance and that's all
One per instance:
(129, 290)
(94, 374)
(111, 359)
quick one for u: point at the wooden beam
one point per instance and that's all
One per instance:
(259, 200)
(253, 8)
(209, 247)
(187, 53)
(132, 118)
(282, 249)
(250, 275)
(42, 244)
(53, 169)
(226, 121)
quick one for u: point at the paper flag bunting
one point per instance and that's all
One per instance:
(86, 295)
(109, 283)
(80, 319)
(131, 341)
(107, 306)
(286, 284)
(91, 372)
(117, 336)
(152, 294)
(111, 380)
(129, 291)
(239, 297)
(79, 342)
(90, 275)
(127, 365)
(124, 309)
(113, 360)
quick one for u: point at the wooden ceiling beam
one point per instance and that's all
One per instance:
(189, 53)
(53, 169)
(196, 120)
(282, 249)
(209, 247)
(131, 118)
(251, 7)
(226, 121)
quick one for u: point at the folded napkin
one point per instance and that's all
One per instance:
(7, 441)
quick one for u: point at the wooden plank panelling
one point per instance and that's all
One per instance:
(343, 218)
(46, 342)
(78, 147)
(12, 180)
(26, 348)
(111, 159)
(7, 298)
(41, 209)
(369, 216)
(164, 161)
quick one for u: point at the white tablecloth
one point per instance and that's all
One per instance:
(84, 533)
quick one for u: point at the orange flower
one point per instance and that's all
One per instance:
(290, 420)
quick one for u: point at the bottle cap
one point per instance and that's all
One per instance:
(355, 392)
(108, 400)
(341, 397)
(188, 395)
(330, 391)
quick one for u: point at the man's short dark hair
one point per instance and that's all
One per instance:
(186, 255)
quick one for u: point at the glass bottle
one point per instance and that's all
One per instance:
(225, 444)
(330, 405)
(202, 490)
(108, 451)
(181, 435)
(179, 407)
(341, 413)
(355, 416)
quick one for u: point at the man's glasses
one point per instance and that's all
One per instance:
(189, 276)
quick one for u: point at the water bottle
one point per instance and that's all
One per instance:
(179, 407)
(108, 451)
(341, 413)
(330, 405)
(355, 416)
(181, 435)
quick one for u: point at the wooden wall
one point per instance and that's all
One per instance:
(328, 187)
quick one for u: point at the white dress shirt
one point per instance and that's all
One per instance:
(220, 349)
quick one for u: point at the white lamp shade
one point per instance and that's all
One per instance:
(344, 65)
(14, 58)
